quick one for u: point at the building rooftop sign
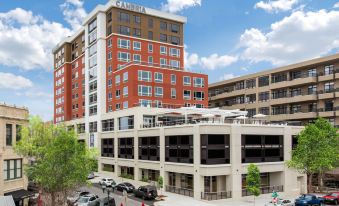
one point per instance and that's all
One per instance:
(130, 6)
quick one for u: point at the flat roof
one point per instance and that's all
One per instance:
(278, 69)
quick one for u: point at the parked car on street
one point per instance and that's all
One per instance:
(108, 182)
(73, 199)
(86, 200)
(332, 198)
(308, 199)
(103, 202)
(128, 187)
(91, 176)
(281, 202)
(146, 192)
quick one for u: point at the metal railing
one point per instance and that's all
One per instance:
(265, 190)
(180, 191)
(216, 195)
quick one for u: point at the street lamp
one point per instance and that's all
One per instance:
(105, 188)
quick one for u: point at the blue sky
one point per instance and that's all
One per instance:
(223, 39)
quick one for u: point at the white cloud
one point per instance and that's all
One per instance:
(26, 40)
(336, 5)
(300, 36)
(11, 81)
(74, 13)
(276, 5)
(215, 61)
(227, 76)
(174, 6)
(35, 94)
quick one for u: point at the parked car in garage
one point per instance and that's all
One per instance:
(146, 192)
(308, 199)
(128, 187)
(108, 182)
(332, 198)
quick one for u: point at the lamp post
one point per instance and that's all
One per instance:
(104, 188)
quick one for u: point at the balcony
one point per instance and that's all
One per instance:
(216, 195)
(326, 77)
(326, 112)
(294, 116)
(329, 94)
(294, 98)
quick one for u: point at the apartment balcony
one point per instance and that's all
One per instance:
(296, 98)
(228, 94)
(326, 95)
(326, 77)
(305, 79)
(329, 112)
(294, 116)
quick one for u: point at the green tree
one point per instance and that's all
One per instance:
(59, 163)
(161, 183)
(317, 150)
(253, 180)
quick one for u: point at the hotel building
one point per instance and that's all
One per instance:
(298, 93)
(120, 83)
(12, 182)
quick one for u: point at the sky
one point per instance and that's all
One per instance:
(223, 38)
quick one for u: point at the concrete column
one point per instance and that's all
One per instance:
(235, 144)
(196, 163)
(136, 155)
(116, 146)
(162, 156)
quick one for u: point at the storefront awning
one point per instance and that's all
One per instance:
(20, 194)
(6, 201)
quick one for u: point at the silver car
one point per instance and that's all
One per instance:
(86, 200)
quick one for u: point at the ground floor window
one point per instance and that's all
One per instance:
(107, 168)
(12, 169)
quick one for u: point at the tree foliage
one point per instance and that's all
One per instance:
(59, 163)
(253, 180)
(317, 150)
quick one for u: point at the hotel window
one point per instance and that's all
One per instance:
(125, 76)
(158, 77)
(159, 92)
(124, 30)
(93, 110)
(264, 81)
(163, 25)
(175, 40)
(125, 105)
(312, 89)
(92, 86)
(109, 83)
(117, 80)
(187, 95)
(329, 87)
(163, 62)
(93, 127)
(136, 58)
(136, 32)
(150, 48)
(117, 94)
(117, 106)
(136, 45)
(199, 95)
(124, 17)
(250, 83)
(145, 102)
(150, 23)
(93, 98)
(175, 28)
(175, 64)
(329, 69)
(109, 43)
(109, 56)
(137, 19)
(187, 81)
(179, 149)
(150, 60)
(163, 50)
(109, 30)
(109, 69)
(125, 91)
(144, 91)
(107, 145)
(264, 96)
(18, 132)
(173, 79)
(12, 169)
(173, 93)
(92, 25)
(199, 82)
(329, 105)
(123, 43)
(149, 149)
(124, 56)
(163, 37)
(92, 37)
(126, 123)
(150, 35)
(9, 135)
(312, 72)
(145, 76)
(174, 52)
(92, 50)
(295, 109)
(110, 96)
(110, 109)
(312, 107)
(264, 110)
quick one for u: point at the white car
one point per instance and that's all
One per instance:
(108, 182)
(86, 200)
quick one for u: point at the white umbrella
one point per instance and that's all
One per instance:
(259, 116)
(242, 117)
(208, 115)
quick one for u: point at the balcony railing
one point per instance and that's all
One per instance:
(265, 190)
(216, 195)
(180, 191)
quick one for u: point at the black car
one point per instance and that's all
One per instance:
(146, 192)
(128, 187)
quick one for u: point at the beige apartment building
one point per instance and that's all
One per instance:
(201, 153)
(12, 181)
(298, 93)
